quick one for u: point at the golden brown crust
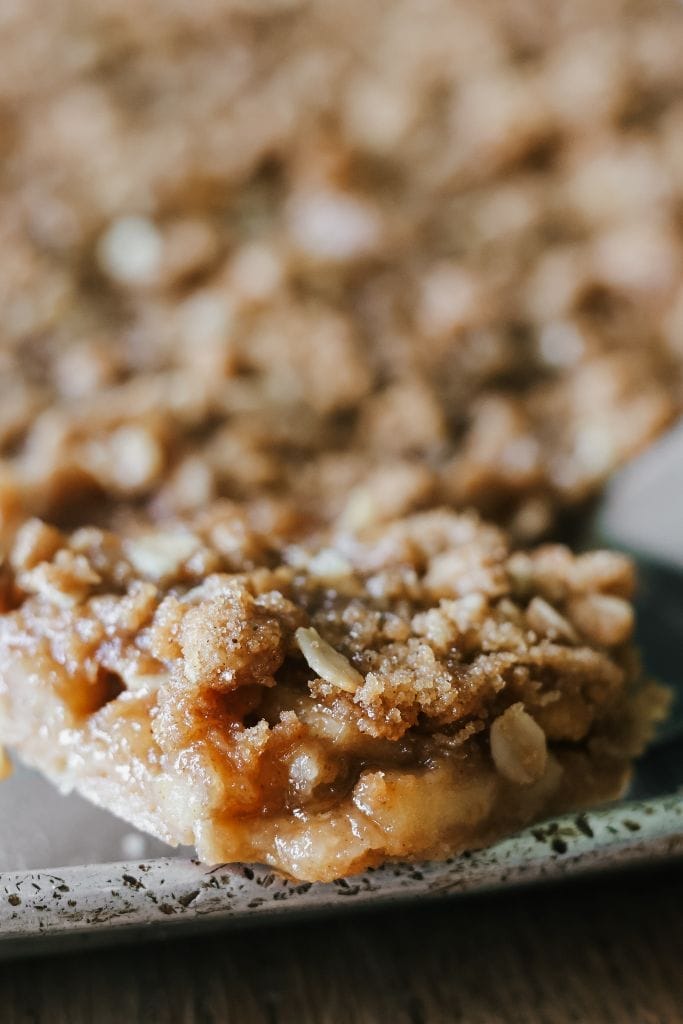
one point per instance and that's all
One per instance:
(400, 692)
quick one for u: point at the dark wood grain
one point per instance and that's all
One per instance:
(606, 951)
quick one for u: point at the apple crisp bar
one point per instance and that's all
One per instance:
(407, 691)
(288, 287)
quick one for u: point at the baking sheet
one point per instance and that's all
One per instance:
(71, 873)
(63, 907)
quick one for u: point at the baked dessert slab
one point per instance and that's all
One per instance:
(321, 704)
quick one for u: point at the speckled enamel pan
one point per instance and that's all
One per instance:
(129, 900)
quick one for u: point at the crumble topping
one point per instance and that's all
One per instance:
(244, 240)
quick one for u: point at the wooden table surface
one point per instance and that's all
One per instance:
(609, 950)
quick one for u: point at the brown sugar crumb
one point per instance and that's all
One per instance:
(326, 705)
